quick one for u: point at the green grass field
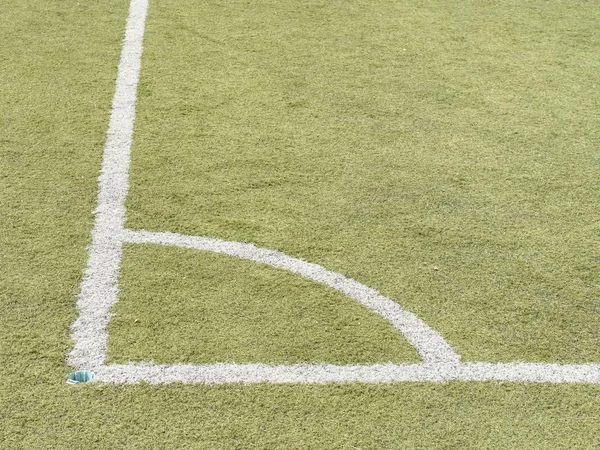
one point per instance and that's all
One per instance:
(445, 154)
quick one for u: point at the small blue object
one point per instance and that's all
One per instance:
(81, 376)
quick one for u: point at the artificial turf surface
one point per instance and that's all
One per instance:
(459, 179)
(445, 155)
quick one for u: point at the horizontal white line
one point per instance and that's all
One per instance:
(326, 373)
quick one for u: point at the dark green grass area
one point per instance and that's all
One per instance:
(58, 62)
(181, 305)
(445, 154)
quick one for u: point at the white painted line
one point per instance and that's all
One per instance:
(99, 286)
(325, 373)
(99, 289)
(429, 343)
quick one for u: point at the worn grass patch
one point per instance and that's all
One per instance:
(185, 306)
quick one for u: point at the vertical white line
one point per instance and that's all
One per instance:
(99, 285)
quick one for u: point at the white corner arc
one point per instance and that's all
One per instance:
(429, 343)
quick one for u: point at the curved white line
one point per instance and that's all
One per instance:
(429, 343)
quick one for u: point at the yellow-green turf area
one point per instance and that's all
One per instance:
(445, 153)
